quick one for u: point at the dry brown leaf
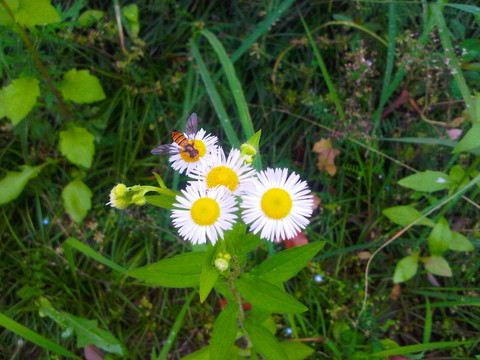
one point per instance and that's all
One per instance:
(326, 157)
(395, 293)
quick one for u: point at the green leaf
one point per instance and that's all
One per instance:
(12, 185)
(296, 350)
(209, 273)
(19, 98)
(470, 140)
(77, 200)
(81, 87)
(36, 12)
(406, 268)
(163, 200)
(5, 18)
(90, 17)
(202, 354)
(267, 296)
(131, 15)
(437, 265)
(460, 243)
(224, 332)
(180, 271)
(76, 144)
(440, 237)
(287, 263)
(427, 181)
(405, 215)
(264, 342)
(33, 337)
(239, 242)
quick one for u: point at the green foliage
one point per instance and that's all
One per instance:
(406, 268)
(437, 265)
(428, 181)
(13, 183)
(224, 332)
(90, 17)
(19, 98)
(77, 199)
(81, 87)
(264, 342)
(76, 144)
(405, 215)
(29, 13)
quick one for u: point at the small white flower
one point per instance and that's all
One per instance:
(205, 144)
(201, 213)
(230, 172)
(277, 204)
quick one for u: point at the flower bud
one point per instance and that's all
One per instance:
(119, 197)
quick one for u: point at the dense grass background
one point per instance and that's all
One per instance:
(155, 86)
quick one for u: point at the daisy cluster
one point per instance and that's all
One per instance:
(275, 203)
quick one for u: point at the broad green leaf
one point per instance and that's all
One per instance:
(209, 273)
(19, 98)
(5, 18)
(460, 243)
(471, 140)
(287, 263)
(296, 350)
(90, 17)
(239, 242)
(224, 332)
(163, 200)
(81, 87)
(437, 265)
(76, 144)
(77, 199)
(180, 271)
(131, 14)
(264, 342)
(406, 268)
(440, 237)
(267, 296)
(405, 215)
(202, 354)
(33, 337)
(36, 12)
(427, 181)
(14, 182)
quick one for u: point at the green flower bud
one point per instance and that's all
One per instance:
(119, 197)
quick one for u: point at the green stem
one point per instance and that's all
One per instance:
(233, 290)
(23, 34)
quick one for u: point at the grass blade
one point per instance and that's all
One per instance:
(33, 337)
(214, 97)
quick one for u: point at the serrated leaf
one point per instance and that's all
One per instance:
(76, 144)
(180, 271)
(287, 263)
(296, 350)
(209, 273)
(405, 215)
(267, 296)
(12, 185)
(224, 332)
(470, 141)
(406, 268)
(264, 342)
(81, 87)
(90, 17)
(77, 200)
(437, 265)
(440, 237)
(36, 12)
(460, 243)
(19, 98)
(426, 181)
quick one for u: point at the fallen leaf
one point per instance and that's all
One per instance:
(298, 240)
(395, 293)
(326, 157)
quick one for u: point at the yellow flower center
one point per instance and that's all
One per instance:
(276, 203)
(205, 211)
(222, 175)
(197, 144)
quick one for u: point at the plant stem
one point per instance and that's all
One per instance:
(236, 295)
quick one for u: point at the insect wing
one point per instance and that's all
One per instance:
(192, 125)
(163, 150)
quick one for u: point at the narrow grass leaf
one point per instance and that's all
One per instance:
(264, 342)
(33, 337)
(404, 215)
(409, 349)
(475, 10)
(296, 350)
(267, 296)
(427, 329)
(224, 332)
(178, 272)
(72, 243)
(214, 97)
(175, 329)
(209, 274)
(287, 263)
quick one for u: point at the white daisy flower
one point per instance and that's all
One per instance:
(202, 213)
(205, 144)
(277, 205)
(230, 172)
